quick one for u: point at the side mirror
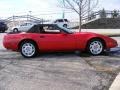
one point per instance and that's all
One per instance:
(63, 33)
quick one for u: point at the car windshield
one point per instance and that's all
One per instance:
(65, 29)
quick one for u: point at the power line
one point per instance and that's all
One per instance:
(52, 13)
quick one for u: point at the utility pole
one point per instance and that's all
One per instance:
(63, 15)
(89, 7)
(29, 15)
(13, 20)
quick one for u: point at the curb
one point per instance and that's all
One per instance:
(116, 83)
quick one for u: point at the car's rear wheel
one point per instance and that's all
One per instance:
(15, 30)
(95, 47)
(28, 49)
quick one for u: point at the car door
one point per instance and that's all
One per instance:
(28, 26)
(24, 27)
(57, 42)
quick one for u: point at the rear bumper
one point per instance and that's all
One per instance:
(10, 44)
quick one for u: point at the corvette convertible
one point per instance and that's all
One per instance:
(55, 38)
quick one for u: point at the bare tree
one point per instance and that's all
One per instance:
(81, 7)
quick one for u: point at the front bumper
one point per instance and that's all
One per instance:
(112, 43)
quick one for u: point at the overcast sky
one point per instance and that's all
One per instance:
(38, 7)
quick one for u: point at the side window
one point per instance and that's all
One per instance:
(61, 20)
(21, 25)
(25, 24)
(65, 20)
(51, 29)
(28, 24)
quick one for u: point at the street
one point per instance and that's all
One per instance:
(58, 71)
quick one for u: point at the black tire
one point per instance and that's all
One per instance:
(95, 47)
(33, 46)
(3, 31)
(15, 30)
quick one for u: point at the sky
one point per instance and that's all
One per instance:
(44, 8)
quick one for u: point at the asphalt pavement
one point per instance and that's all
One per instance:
(58, 71)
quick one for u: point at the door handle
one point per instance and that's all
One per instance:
(42, 36)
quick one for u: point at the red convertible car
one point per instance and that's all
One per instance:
(52, 38)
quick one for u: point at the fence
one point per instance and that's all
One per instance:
(14, 20)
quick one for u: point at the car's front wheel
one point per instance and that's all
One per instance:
(28, 49)
(95, 47)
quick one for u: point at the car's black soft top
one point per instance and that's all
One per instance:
(36, 28)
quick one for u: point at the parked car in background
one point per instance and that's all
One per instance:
(23, 27)
(3, 27)
(54, 38)
(62, 22)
